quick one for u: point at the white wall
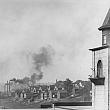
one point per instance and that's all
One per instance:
(100, 92)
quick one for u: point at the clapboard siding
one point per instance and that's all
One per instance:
(99, 99)
(109, 76)
(100, 92)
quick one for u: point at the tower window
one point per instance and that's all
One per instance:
(104, 40)
(99, 69)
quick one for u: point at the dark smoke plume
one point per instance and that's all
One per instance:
(41, 59)
(36, 77)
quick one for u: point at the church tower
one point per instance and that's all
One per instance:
(101, 69)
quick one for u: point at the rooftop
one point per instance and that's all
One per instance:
(106, 23)
(99, 48)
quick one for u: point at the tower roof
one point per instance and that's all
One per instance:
(106, 23)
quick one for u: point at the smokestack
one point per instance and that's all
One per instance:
(7, 86)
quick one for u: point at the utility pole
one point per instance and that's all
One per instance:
(4, 87)
(7, 87)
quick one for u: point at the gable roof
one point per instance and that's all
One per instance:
(106, 23)
(52, 87)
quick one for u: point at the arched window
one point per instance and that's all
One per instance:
(99, 69)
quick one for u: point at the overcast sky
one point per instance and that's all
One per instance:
(69, 27)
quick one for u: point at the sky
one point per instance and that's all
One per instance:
(68, 28)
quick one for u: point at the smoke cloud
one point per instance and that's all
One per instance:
(37, 61)
(69, 26)
(43, 58)
(40, 60)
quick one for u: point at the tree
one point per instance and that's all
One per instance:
(59, 84)
(68, 86)
(84, 91)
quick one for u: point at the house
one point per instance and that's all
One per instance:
(57, 93)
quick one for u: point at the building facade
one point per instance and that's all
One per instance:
(101, 69)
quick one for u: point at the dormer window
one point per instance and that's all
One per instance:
(104, 42)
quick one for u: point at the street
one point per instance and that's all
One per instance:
(10, 104)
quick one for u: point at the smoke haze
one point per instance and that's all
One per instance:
(50, 38)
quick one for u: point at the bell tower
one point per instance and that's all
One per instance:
(105, 28)
(101, 69)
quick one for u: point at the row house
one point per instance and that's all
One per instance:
(57, 93)
(41, 92)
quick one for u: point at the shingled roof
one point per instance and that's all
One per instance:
(106, 23)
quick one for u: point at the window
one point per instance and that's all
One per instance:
(99, 69)
(104, 40)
